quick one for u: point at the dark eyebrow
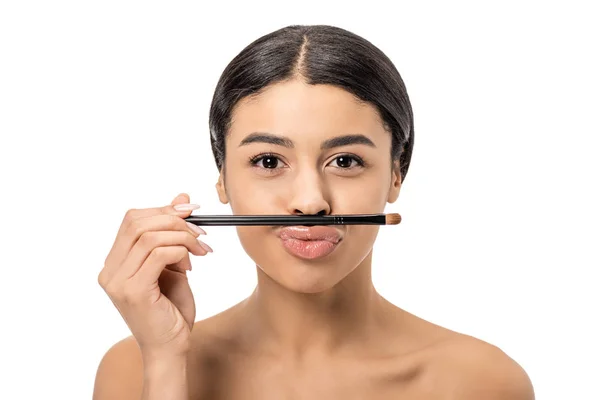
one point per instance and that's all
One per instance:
(258, 137)
(345, 140)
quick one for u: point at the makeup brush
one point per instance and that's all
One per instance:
(306, 220)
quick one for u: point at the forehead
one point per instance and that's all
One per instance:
(296, 109)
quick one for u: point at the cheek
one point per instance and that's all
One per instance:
(359, 242)
(253, 238)
(254, 196)
(361, 196)
(360, 202)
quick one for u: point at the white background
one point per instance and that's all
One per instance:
(104, 107)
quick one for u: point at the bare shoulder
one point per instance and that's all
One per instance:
(216, 333)
(214, 341)
(120, 372)
(475, 369)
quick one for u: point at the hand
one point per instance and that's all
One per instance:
(144, 275)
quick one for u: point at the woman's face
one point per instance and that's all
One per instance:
(307, 149)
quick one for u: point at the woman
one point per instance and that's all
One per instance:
(305, 120)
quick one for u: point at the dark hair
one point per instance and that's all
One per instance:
(318, 54)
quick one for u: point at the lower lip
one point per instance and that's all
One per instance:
(309, 249)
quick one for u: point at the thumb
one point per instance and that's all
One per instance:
(181, 199)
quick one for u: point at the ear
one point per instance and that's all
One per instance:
(395, 183)
(220, 186)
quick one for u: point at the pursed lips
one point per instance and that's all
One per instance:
(320, 232)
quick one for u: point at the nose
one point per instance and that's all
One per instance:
(308, 195)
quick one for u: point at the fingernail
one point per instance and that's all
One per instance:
(186, 207)
(205, 246)
(195, 228)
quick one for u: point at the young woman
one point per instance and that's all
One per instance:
(305, 120)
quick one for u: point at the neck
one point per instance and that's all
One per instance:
(297, 323)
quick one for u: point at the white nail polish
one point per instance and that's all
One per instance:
(205, 246)
(186, 207)
(195, 228)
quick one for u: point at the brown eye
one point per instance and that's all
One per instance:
(266, 161)
(344, 161)
(269, 162)
(347, 161)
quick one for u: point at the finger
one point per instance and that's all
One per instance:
(128, 237)
(131, 216)
(185, 264)
(120, 248)
(150, 241)
(181, 198)
(176, 288)
(149, 272)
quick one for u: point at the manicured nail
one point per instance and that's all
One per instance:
(205, 246)
(186, 207)
(195, 228)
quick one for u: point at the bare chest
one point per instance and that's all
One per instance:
(345, 380)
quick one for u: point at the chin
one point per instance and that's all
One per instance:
(299, 280)
(297, 273)
(306, 276)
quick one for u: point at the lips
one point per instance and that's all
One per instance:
(327, 233)
(310, 242)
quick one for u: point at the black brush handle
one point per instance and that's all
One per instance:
(306, 220)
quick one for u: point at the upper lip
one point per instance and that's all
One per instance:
(320, 232)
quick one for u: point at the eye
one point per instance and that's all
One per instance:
(266, 161)
(347, 161)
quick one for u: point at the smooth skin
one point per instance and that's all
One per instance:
(312, 329)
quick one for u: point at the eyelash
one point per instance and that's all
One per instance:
(254, 159)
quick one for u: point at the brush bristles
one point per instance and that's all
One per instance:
(392, 219)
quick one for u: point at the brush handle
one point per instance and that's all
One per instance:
(306, 220)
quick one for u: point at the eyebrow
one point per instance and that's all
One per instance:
(344, 140)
